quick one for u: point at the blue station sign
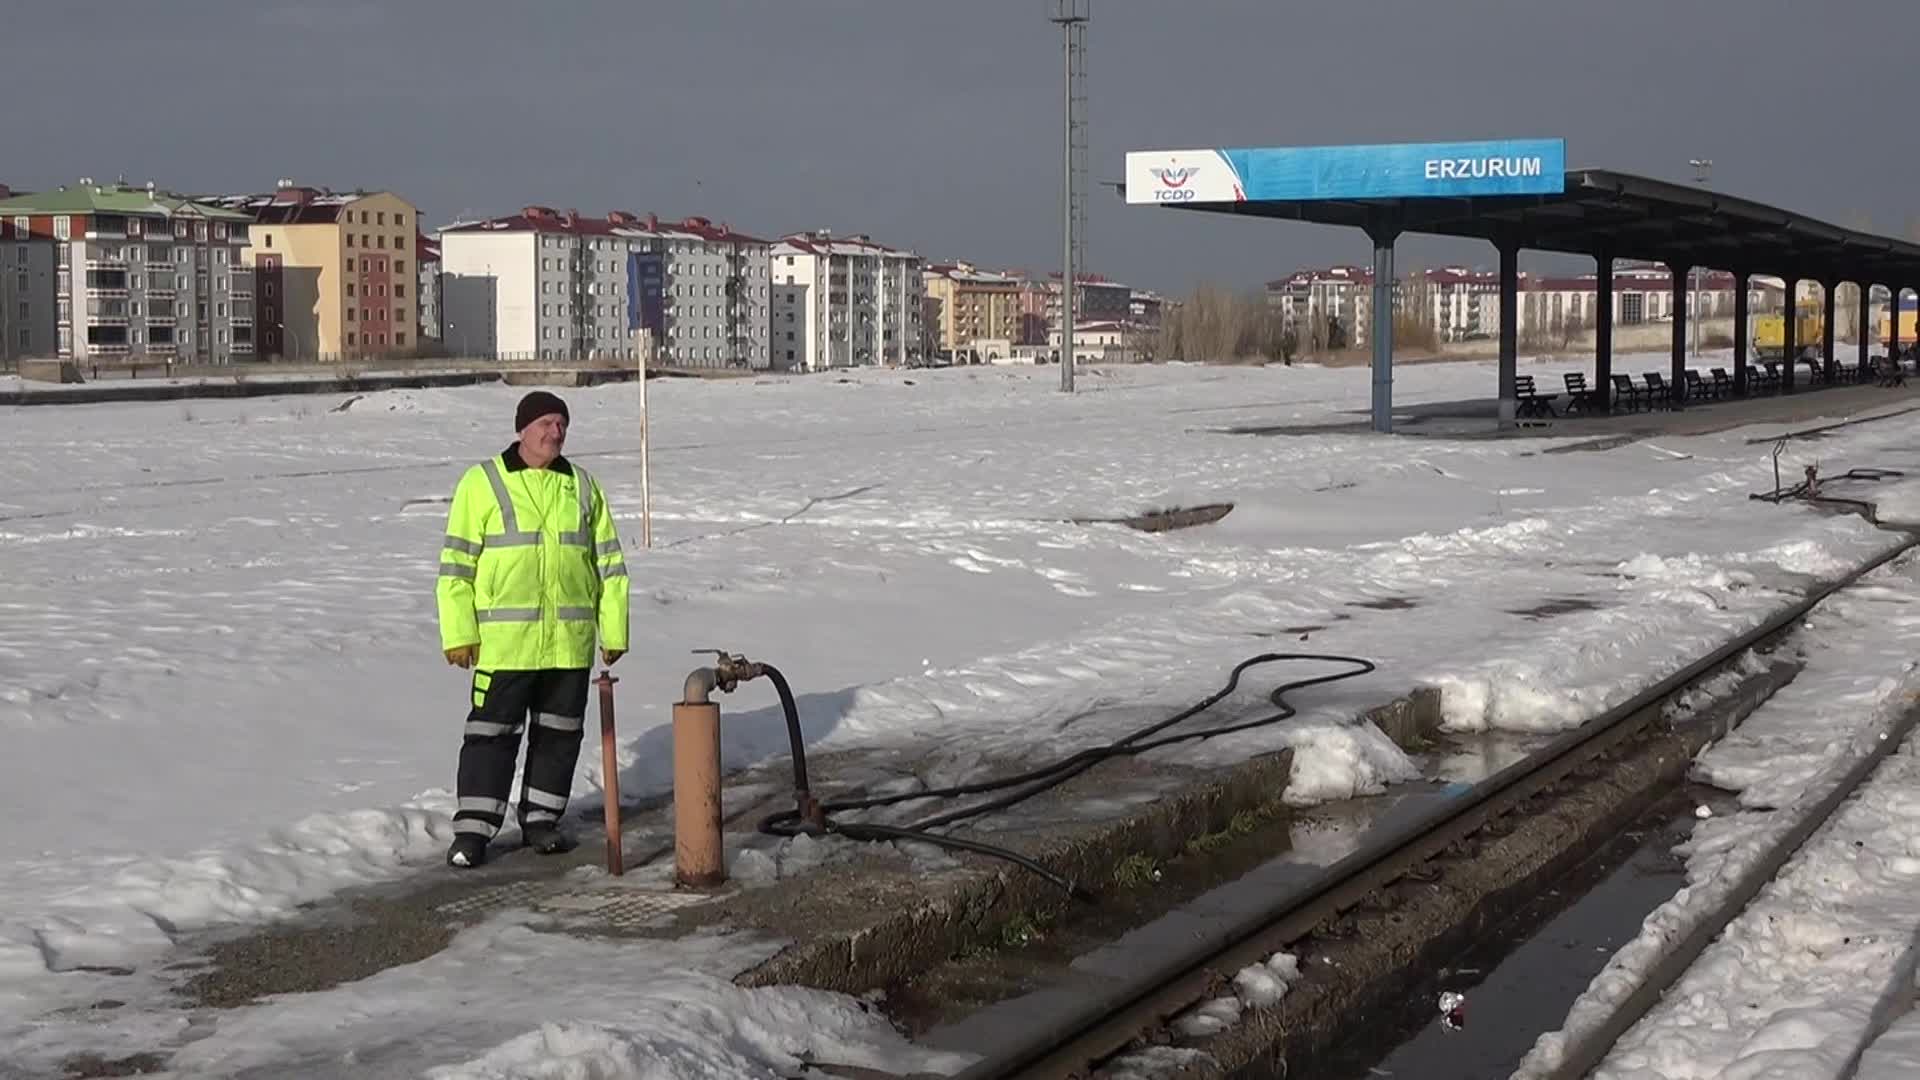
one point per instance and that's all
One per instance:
(1394, 171)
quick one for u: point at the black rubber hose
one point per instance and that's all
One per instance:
(873, 833)
(797, 744)
(1033, 782)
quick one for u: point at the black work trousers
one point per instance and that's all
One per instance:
(555, 700)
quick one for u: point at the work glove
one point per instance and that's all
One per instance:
(463, 656)
(608, 656)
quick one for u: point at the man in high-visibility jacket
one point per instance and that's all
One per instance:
(530, 572)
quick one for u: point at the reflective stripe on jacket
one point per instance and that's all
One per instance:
(531, 567)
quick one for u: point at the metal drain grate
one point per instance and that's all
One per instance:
(622, 907)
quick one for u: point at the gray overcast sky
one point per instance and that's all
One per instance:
(935, 125)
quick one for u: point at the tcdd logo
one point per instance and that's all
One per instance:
(1173, 182)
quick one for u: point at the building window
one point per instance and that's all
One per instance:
(351, 340)
(399, 291)
(399, 243)
(399, 219)
(379, 217)
(363, 241)
(349, 263)
(63, 228)
(220, 310)
(268, 290)
(199, 230)
(267, 241)
(399, 266)
(26, 338)
(219, 230)
(22, 226)
(349, 244)
(380, 242)
(363, 217)
(399, 339)
(350, 288)
(350, 314)
(383, 339)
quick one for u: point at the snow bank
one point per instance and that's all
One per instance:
(574, 1007)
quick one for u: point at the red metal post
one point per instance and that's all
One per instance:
(610, 774)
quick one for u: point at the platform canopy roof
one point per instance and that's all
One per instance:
(1592, 211)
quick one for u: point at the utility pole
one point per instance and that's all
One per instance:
(1702, 169)
(1072, 17)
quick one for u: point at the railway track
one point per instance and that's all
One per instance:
(1107, 1019)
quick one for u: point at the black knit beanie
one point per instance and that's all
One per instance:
(536, 405)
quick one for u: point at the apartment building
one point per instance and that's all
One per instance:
(427, 251)
(110, 271)
(336, 271)
(1144, 309)
(1095, 299)
(552, 284)
(26, 293)
(969, 304)
(845, 302)
(1330, 307)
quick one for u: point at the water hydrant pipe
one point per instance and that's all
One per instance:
(610, 775)
(700, 684)
(699, 860)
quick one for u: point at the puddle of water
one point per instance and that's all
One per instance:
(1521, 977)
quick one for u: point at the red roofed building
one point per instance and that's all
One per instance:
(845, 302)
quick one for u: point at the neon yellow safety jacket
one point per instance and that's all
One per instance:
(531, 567)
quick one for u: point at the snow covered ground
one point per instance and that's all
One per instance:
(1809, 972)
(219, 670)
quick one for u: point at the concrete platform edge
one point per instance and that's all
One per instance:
(972, 909)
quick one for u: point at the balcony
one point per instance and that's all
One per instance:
(106, 264)
(117, 349)
(99, 318)
(161, 319)
(241, 318)
(242, 346)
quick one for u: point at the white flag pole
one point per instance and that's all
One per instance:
(646, 493)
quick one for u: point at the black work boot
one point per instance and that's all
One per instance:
(467, 851)
(546, 838)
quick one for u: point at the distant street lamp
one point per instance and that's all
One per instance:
(1702, 170)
